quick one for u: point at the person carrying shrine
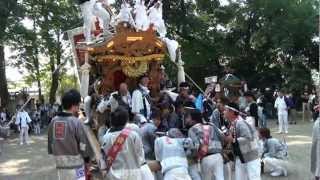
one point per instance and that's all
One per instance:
(141, 100)
(122, 148)
(245, 146)
(207, 149)
(170, 152)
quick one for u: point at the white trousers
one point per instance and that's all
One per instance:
(146, 173)
(283, 122)
(124, 174)
(24, 135)
(194, 171)
(273, 164)
(212, 167)
(90, 9)
(177, 174)
(37, 128)
(71, 174)
(248, 171)
(227, 171)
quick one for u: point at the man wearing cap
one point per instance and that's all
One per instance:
(141, 101)
(244, 140)
(170, 152)
(207, 149)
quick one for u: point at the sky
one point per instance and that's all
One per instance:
(12, 73)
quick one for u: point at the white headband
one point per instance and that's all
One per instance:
(231, 108)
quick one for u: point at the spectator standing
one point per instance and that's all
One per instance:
(23, 121)
(36, 121)
(290, 101)
(282, 108)
(305, 99)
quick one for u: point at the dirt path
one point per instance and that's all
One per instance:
(27, 162)
(299, 142)
(31, 162)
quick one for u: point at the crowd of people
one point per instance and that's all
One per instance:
(172, 137)
(26, 120)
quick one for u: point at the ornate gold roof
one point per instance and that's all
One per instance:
(129, 46)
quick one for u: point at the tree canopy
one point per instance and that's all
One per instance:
(268, 43)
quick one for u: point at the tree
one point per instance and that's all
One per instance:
(249, 33)
(7, 11)
(58, 17)
(50, 19)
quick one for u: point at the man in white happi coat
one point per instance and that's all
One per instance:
(281, 105)
(141, 99)
(245, 146)
(22, 121)
(207, 149)
(89, 9)
(122, 148)
(315, 150)
(170, 152)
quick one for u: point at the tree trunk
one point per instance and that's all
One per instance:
(4, 94)
(54, 87)
(36, 63)
(55, 71)
(38, 79)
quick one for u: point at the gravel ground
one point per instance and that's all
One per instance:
(31, 162)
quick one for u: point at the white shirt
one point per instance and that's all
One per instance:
(137, 102)
(22, 119)
(280, 105)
